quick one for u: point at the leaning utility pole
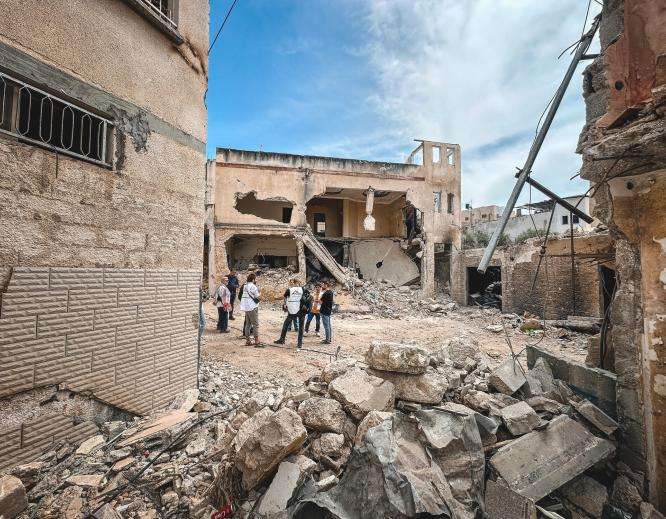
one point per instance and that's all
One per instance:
(579, 55)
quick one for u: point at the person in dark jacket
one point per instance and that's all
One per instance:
(326, 309)
(232, 285)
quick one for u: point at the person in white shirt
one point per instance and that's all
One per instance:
(249, 303)
(295, 313)
(223, 303)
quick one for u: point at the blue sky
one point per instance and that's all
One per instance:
(363, 78)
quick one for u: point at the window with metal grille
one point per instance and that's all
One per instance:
(39, 118)
(163, 9)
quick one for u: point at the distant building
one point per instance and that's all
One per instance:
(533, 215)
(486, 213)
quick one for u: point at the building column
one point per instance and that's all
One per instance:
(428, 269)
(302, 269)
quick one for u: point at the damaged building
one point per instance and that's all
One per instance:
(330, 216)
(101, 196)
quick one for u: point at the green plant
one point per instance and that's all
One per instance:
(474, 239)
(526, 235)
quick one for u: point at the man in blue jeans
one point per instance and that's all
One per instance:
(325, 310)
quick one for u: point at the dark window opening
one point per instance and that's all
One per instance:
(575, 219)
(442, 263)
(484, 289)
(565, 219)
(608, 286)
(286, 214)
(449, 203)
(320, 224)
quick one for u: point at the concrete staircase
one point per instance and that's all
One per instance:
(325, 257)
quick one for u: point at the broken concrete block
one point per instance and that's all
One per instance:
(285, 483)
(587, 494)
(455, 351)
(542, 373)
(259, 401)
(487, 425)
(488, 402)
(29, 473)
(504, 503)
(648, 512)
(280, 435)
(196, 447)
(306, 464)
(519, 418)
(323, 414)
(372, 419)
(185, 401)
(360, 393)
(595, 416)
(396, 357)
(541, 403)
(328, 444)
(530, 325)
(336, 368)
(250, 426)
(550, 457)
(85, 480)
(326, 483)
(508, 377)
(90, 444)
(428, 388)
(106, 512)
(495, 328)
(12, 497)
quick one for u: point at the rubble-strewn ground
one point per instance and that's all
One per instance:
(422, 391)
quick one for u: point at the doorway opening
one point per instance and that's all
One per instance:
(484, 289)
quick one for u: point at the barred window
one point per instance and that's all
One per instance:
(163, 9)
(42, 119)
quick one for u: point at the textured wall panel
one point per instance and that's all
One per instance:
(125, 336)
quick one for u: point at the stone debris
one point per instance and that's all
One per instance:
(519, 418)
(542, 461)
(346, 441)
(503, 503)
(12, 497)
(508, 377)
(396, 357)
(360, 393)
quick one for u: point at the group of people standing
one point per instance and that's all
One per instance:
(301, 304)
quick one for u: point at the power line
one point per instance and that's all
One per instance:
(222, 26)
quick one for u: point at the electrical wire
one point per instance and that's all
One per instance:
(224, 22)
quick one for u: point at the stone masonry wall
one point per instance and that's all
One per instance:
(124, 336)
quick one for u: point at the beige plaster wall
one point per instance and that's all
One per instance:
(109, 45)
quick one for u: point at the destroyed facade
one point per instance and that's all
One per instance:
(396, 222)
(102, 195)
(623, 146)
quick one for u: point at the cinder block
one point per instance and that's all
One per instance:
(55, 372)
(80, 278)
(161, 278)
(34, 301)
(41, 430)
(105, 318)
(17, 329)
(155, 311)
(64, 323)
(89, 341)
(184, 309)
(136, 295)
(171, 294)
(189, 277)
(87, 299)
(16, 377)
(124, 278)
(28, 278)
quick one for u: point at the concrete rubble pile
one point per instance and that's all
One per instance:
(407, 433)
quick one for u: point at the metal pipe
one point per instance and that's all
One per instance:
(585, 42)
(571, 208)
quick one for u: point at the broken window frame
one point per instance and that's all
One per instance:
(165, 10)
(49, 116)
(450, 198)
(437, 199)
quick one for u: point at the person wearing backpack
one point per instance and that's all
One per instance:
(297, 303)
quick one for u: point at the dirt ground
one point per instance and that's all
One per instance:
(353, 334)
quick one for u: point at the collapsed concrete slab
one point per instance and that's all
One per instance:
(587, 494)
(428, 464)
(540, 462)
(396, 266)
(519, 418)
(595, 416)
(397, 357)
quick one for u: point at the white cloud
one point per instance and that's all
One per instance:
(478, 73)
